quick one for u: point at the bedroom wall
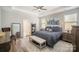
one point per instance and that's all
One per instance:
(9, 17)
(61, 16)
(73, 11)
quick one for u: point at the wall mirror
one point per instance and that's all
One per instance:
(16, 29)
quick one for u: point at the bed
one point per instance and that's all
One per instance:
(51, 34)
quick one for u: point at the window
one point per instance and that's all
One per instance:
(43, 23)
(69, 21)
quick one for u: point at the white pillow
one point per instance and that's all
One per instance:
(50, 30)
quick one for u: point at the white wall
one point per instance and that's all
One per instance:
(9, 17)
(61, 16)
(26, 26)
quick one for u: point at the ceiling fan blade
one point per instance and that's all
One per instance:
(34, 9)
(43, 9)
(37, 7)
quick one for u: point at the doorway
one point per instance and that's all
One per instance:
(26, 28)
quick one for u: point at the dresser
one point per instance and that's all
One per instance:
(75, 33)
(2, 34)
(4, 42)
(67, 37)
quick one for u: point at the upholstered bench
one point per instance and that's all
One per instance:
(39, 42)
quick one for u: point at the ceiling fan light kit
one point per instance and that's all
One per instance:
(39, 8)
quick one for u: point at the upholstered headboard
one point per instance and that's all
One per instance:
(54, 28)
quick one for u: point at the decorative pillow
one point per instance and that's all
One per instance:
(53, 28)
(50, 30)
(47, 28)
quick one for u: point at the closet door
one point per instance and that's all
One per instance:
(26, 28)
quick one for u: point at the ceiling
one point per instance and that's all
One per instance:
(30, 9)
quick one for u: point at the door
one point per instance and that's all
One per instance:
(26, 28)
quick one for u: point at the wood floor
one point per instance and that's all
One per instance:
(24, 45)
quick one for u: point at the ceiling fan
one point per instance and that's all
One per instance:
(39, 8)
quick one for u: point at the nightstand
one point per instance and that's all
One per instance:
(67, 37)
